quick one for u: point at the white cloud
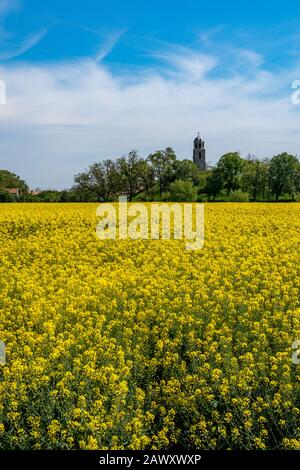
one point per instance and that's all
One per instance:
(61, 117)
(207, 35)
(187, 65)
(15, 47)
(108, 45)
(16, 50)
(250, 58)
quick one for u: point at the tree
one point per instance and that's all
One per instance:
(230, 166)
(182, 191)
(297, 185)
(49, 195)
(101, 181)
(188, 171)
(112, 179)
(147, 176)
(265, 186)
(283, 174)
(214, 183)
(10, 180)
(5, 197)
(164, 166)
(254, 177)
(130, 170)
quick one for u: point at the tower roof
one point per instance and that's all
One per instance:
(198, 138)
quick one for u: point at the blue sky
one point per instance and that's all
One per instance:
(76, 29)
(92, 80)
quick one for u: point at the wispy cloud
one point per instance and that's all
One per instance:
(208, 34)
(13, 47)
(248, 57)
(109, 44)
(185, 63)
(27, 44)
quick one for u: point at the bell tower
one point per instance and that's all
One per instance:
(199, 153)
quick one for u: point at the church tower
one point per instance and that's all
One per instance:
(199, 153)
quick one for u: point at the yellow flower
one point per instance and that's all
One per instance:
(140, 344)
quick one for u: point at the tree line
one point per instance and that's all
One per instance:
(163, 177)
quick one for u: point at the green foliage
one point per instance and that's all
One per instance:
(164, 165)
(297, 197)
(130, 169)
(147, 176)
(153, 178)
(5, 197)
(255, 178)
(284, 174)
(230, 167)
(100, 182)
(214, 183)
(238, 196)
(49, 196)
(182, 191)
(162, 177)
(10, 180)
(188, 171)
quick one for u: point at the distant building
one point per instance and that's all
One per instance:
(35, 192)
(199, 153)
(13, 191)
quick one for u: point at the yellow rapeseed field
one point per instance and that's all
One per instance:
(143, 344)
